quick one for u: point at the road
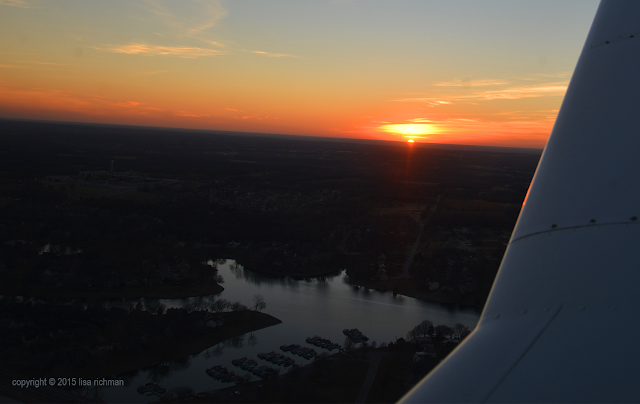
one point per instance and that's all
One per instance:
(414, 250)
(374, 358)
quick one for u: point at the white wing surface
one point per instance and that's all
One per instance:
(563, 318)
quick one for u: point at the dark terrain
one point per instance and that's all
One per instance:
(76, 230)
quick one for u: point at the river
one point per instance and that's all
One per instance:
(307, 307)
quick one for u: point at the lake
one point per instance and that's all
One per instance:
(320, 306)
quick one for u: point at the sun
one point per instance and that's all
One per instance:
(408, 129)
(410, 140)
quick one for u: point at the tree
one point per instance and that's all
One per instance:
(423, 329)
(348, 344)
(237, 306)
(460, 330)
(219, 305)
(258, 303)
(183, 392)
(443, 330)
(218, 279)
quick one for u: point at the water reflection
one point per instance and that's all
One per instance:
(310, 306)
(259, 279)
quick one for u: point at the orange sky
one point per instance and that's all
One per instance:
(465, 72)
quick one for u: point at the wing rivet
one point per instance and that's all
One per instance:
(547, 309)
(553, 226)
(497, 316)
(633, 219)
(523, 312)
(631, 36)
(608, 42)
(582, 308)
(592, 221)
(614, 308)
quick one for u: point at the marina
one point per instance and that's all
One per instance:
(323, 307)
(323, 343)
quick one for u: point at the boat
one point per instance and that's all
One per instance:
(355, 335)
(288, 348)
(323, 343)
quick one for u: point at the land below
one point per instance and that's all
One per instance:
(122, 212)
(96, 214)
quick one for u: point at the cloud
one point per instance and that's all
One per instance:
(214, 43)
(273, 55)
(269, 54)
(510, 93)
(544, 90)
(419, 120)
(16, 3)
(190, 114)
(188, 52)
(431, 102)
(188, 17)
(471, 83)
(142, 74)
(40, 63)
(33, 67)
(555, 75)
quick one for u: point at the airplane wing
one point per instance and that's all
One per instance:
(560, 322)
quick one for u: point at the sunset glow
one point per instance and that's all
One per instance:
(440, 72)
(408, 129)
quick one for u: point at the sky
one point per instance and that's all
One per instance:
(491, 72)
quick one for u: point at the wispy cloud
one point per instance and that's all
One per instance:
(23, 67)
(273, 55)
(544, 90)
(555, 75)
(17, 3)
(190, 114)
(40, 63)
(63, 103)
(150, 73)
(509, 93)
(189, 52)
(214, 43)
(188, 18)
(269, 54)
(420, 120)
(431, 102)
(471, 83)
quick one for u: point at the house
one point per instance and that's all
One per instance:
(422, 340)
(214, 321)
(184, 267)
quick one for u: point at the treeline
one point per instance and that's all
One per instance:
(439, 332)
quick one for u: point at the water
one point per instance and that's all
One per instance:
(322, 306)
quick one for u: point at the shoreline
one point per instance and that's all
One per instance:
(398, 286)
(236, 324)
(401, 288)
(162, 292)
